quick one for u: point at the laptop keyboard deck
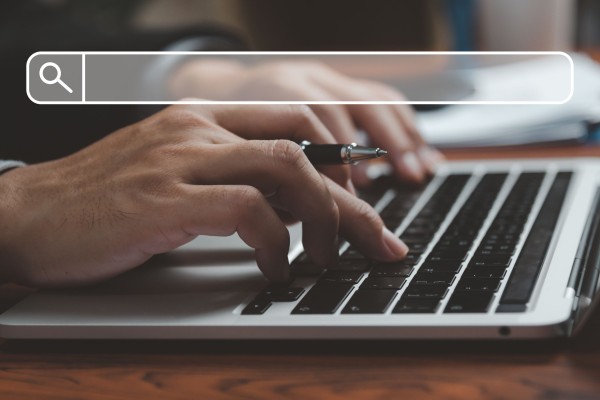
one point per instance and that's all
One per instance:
(477, 245)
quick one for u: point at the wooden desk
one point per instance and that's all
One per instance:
(560, 369)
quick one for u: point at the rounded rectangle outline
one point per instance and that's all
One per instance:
(305, 53)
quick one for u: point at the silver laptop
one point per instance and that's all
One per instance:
(499, 249)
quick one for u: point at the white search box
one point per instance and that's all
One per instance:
(425, 78)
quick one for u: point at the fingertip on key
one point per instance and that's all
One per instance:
(431, 158)
(396, 247)
(409, 165)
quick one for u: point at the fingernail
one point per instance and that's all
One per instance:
(395, 246)
(431, 158)
(410, 163)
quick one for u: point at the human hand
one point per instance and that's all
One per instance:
(391, 127)
(153, 186)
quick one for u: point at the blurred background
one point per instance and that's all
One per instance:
(35, 133)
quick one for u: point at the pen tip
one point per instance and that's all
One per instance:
(381, 153)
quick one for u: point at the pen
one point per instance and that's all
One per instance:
(352, 153)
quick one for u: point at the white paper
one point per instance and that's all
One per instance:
(479, 125)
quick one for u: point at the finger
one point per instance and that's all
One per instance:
(360, 177)
(340, 174)
(429, 156)
(381, 124)
(292, 122)
(224, 210)
(337, 119)
(384, 131)
(281, 171)
(362, 227)
(339, 123)
(284, 121)
(284, 216)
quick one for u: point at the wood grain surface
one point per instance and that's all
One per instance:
(462, 370)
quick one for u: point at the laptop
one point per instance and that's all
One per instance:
(505, 249)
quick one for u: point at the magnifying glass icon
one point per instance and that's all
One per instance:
(55, 80)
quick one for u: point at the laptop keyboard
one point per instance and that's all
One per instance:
(459, 269)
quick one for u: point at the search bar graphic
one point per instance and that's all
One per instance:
(423, 77)
(56, 79)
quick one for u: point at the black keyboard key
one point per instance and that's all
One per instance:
(341, 276)
(351, 265)
(369, 302)
(484, 272)
(529, 262)
(419, 231)
(392, 270)
(412, 239)
(454, 244)
(445, 259)
(413, 257)
(469, 302)
(434, 278)
(299, 269)
(440, 267)
(392, 223)
(448, 254)
(418, 247)
(491, 261)
(352, 254)
(478, 284)
(323, 298)
(257, 306)
(426, 291)
(281, 293)
(419, 240)
(416, 306)
(382, 283)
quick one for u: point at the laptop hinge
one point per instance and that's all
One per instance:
(586, 268)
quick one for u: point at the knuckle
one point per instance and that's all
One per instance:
(152, 186)
(303, 115)
(334, 212)
(183, 118)
(288, 153)
(302, 112)
(247, 200)
(368, 216)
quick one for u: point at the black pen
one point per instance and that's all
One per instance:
(320, 154)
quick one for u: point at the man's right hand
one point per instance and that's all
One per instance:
(153, 186)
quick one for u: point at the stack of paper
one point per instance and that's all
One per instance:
(496, 125)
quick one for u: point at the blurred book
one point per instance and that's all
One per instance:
(503, 125)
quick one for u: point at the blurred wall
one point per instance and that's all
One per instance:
(310, 24)
(588, 32)
(527, 25)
